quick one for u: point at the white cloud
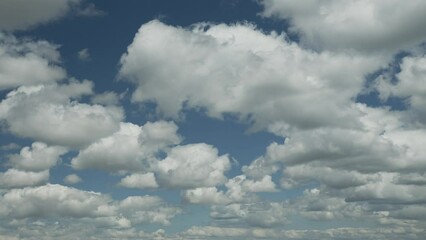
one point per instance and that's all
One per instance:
(368, 26)
(14, 178)
(139, 180)
(72, 179)
(60, 202)
(38, 157)
(84, 54)
(131, 148)
(21, 14)
(25, 62)
(410, 85)
(49, 114)
(191, 166)
(227, 69)
(106, 98)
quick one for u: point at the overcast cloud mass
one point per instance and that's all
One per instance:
(266, 119)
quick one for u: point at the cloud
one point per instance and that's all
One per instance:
(57, 202)
(26, 62)
(130, 148)
(84, 55)
(228, 68)
(72, 179)
(407, 84)
(139, 180)
(21, 14)
(106, 98)
(50, 113)
(14, 178)
(38, 157)
(366, 26)
(191, 166)
(90, 10)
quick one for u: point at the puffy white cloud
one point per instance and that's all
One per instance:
(60, 202)
(410, 85)
(139, 180)
(106, 98)
(53, 200)
(131, 148)
(147, 209)
(72, 179)
(47, 113)
(239, 189)
(14, 178)
(21, 14)
(227, 69)
(192, 166)
(363, 25)
(26, 62)
(38, 157)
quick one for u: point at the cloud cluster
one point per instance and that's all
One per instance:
(366, 26)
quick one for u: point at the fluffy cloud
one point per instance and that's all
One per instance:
(21, 14)
(14, 178)
(72, 179)
(56, 201)
(130, 148)
(368, 26)
(38, 157)
(191, 166)
(49, 114)
(24, 62)
(139, 180)
(408, 84)
(227, 69)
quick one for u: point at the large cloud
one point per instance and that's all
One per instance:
(130, 148)
(21, 14)
(49, 113)
(228, 69)
(191, 166)
(14, 178)
(24, 62)
(363, 25)
(38, 157)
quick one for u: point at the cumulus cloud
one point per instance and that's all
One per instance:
(228, 68)
(84, 54)
(21, 14)
(38, 157)
(57, 201)
(191, 166)
(72, 179)
(14, 178)
(361, 25)
(26, 62)
(130, 148)
(50, 113)
(407, 84)
(139, 180)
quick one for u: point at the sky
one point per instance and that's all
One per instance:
(212, 119)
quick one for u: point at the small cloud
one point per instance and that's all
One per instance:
(10, 147)
(90, 11)
(72, 179)
(84, 55)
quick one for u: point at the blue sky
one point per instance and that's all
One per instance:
(268, 119)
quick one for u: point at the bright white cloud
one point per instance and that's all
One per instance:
(191, 166)
(14, 178)
(130, 148)
(21, 14)
(139, 180)
(24, 62)
(72, 179)
(368, 26)
(38, 157)
(227, 69)
(49, 113)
